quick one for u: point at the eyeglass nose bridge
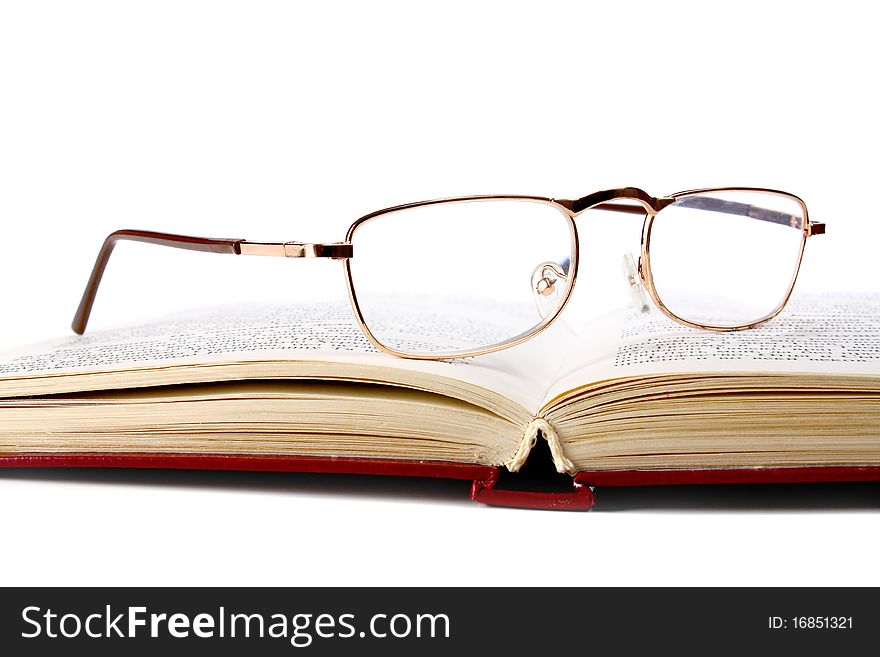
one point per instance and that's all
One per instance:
(603, 200)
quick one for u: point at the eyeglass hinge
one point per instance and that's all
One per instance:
(336, 250)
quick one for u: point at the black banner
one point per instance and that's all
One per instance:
(436, 621)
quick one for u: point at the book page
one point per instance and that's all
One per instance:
(259, 333)
(829, 333)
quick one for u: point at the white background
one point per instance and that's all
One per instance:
(287, 121)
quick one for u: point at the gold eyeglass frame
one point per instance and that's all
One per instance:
(636, 200)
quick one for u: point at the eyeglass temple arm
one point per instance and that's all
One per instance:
(711, 204)
(205, 244)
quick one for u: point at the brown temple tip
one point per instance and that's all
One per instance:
(209, 245)
(81, 318)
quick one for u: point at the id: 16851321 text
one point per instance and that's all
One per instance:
(810, 623)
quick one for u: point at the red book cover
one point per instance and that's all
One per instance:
(484, 487)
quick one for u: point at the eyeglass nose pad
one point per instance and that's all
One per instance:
(634, 284)
(549, 287)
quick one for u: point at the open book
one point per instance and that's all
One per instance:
(631, 398)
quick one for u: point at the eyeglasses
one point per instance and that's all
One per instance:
(467, 276)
